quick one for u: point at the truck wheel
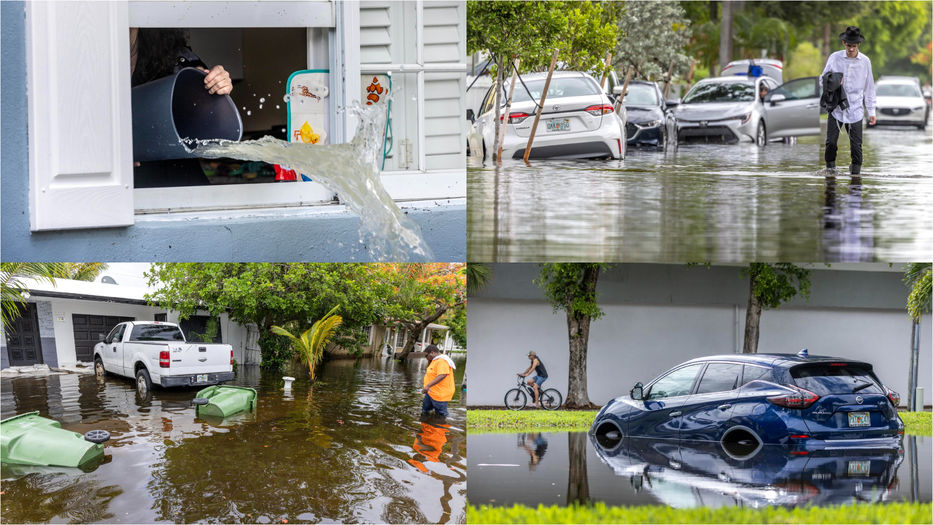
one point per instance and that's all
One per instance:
(99, 367)
(143, 383)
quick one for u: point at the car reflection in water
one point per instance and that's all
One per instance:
(694, 474)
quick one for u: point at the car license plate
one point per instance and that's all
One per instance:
(201, 378)
(859, 419)
(558, 124)
(859, 468)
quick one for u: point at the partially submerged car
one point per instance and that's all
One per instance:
(578, 120)
(805, 402)
(730, 109)
(647, 114)
(900, 102)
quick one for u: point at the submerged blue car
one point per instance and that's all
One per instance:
(745, 401)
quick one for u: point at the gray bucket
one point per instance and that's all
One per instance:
(178, 106)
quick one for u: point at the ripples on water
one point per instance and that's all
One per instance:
(350, 449)
(562, 468)
(709, 202)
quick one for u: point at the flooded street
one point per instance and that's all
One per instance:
(718, 202)
(561, 468)
(349, 449)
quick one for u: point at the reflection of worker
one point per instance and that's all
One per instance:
(858, 84)
(438, 382)
(156, 53)
(540, 375)
(429, 442)
(535, 445)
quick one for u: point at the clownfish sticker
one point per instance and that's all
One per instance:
(375, 91)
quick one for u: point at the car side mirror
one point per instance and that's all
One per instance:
(471, 116)
(101, 338)
(674, 102)
(638, 391)
(616, 90)
(775, 98)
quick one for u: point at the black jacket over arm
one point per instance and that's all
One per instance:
(833, 94)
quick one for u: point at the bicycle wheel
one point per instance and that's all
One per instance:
(551, 399)
(515, 399)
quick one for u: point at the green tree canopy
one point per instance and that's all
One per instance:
(654, 34)
(919, 278)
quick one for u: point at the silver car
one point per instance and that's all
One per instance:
(578, 121)
(732, 109)
(900, 102)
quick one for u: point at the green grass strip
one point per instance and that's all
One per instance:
(917, 423)
(489, 421)
(600, 513)
(485, 421)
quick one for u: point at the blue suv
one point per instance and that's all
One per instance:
(745, 401)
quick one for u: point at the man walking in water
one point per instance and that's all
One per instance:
(438, 382)
(858, 84)
(539, 378)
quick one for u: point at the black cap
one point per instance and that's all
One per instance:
(852, 35)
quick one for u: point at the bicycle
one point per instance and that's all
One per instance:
(517, 398)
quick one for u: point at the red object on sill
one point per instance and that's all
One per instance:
(282, 174)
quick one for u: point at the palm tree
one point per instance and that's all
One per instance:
(477, 275)
(918, 277)
(13, 291)
(82, 271)
(312, 342)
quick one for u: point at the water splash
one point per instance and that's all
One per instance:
(352, 171)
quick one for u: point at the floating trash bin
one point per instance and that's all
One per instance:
(224, 401)
(178, 107)
(28, 439)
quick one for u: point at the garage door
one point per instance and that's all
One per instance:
(89, 329)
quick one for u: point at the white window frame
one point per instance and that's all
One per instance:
(126, 203)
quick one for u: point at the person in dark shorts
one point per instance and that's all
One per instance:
(540, 375)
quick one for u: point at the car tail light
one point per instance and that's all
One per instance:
(837, 364)
(515, 117)
(231, 356)
(599, 109)
(620, 146)
(800, 436)
(165, 359)
(894, 397)
(799, 399)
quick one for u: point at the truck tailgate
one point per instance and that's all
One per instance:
(199, 358)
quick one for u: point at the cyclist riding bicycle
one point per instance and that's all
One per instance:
(540, 375)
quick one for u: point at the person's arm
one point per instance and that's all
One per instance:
(438, 379)
(870, 95)
(827, 69)
(534, 363)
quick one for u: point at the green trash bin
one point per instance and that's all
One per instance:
(28, 439)
(225, 401)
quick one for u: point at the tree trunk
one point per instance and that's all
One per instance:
(495, 140)
(752, 318)
(912, 402)
(827, 49)
(578, 486)
(725, 36)
(415, 329)
(578, 330)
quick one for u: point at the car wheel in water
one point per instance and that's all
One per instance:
(515, 399)
(143, 383)
(99, 367)
(761, 137)
(551, 399)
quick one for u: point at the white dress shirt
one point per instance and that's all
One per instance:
(857, 82)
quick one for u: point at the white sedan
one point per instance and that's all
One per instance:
(900, 102)
(578, 120)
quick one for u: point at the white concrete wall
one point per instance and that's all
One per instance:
(637, 340)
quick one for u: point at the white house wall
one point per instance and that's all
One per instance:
(638, 339)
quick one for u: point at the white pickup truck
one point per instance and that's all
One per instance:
(155, 352)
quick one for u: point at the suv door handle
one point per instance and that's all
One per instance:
(114, 349)
(726, 406)
(675, 413)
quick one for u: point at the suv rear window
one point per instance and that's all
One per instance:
(155, 332)
(836, 378)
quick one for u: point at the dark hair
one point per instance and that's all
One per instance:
(157, 52)
(432, 349)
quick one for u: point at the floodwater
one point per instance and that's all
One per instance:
(709, 202)
(562, 468)
(349, 449)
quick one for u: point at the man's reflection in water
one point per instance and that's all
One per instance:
(535, 445)
(845, 236)
(430, 441)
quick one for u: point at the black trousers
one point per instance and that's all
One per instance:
(855, 142)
